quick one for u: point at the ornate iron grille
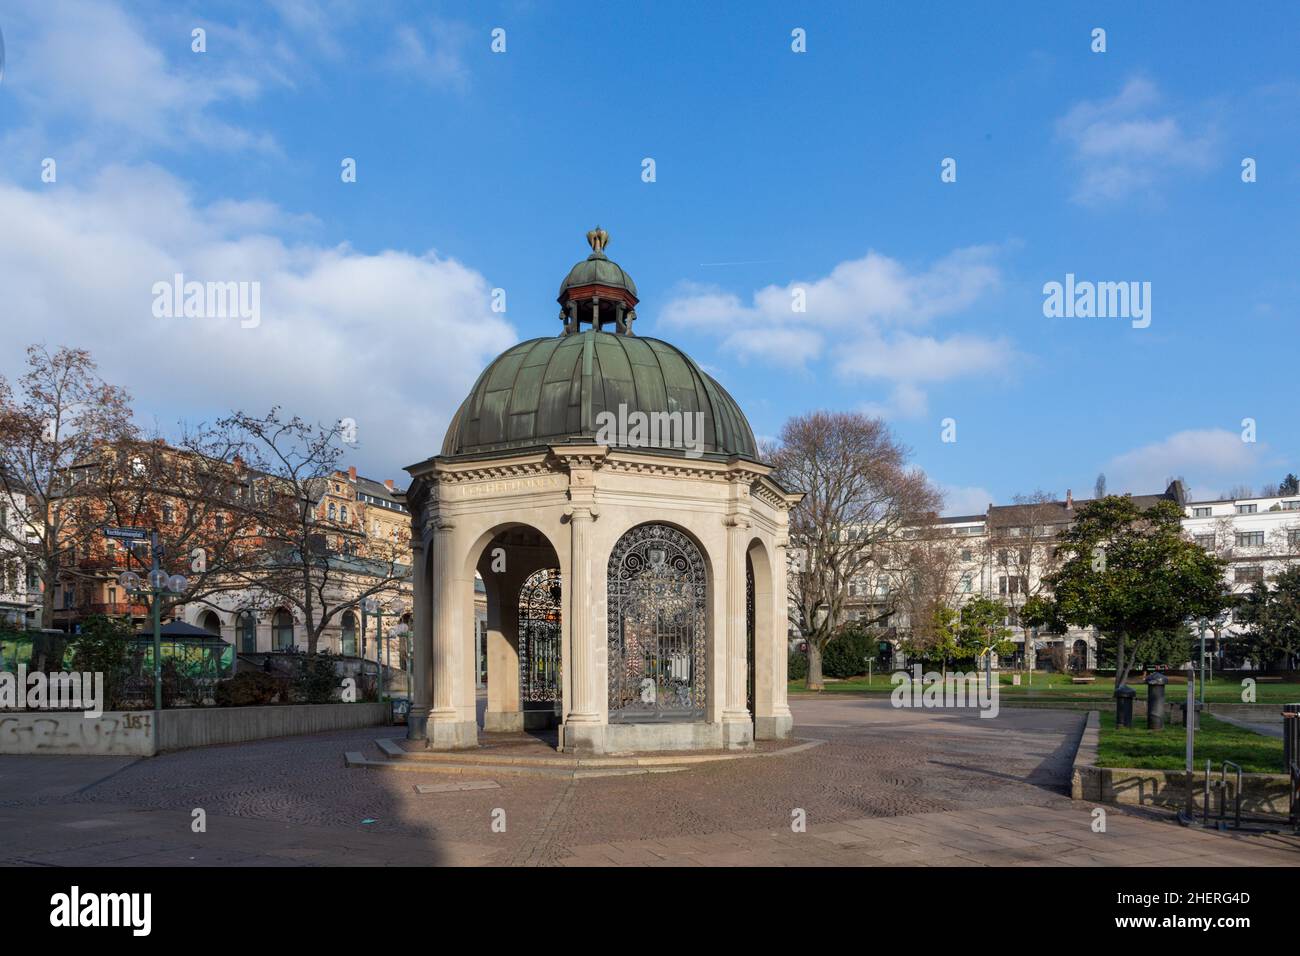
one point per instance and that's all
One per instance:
(539, 637)
(657, 605)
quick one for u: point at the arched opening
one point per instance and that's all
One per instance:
(349, 638)
(657, 638)
(282, 631)
(247, 627)
(765, 650)
(1079, 656)
(209, 621)
(520, 632)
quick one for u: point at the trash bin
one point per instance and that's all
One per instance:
(1124, 705)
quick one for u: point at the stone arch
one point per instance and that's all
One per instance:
(524, 548)
(764, 644)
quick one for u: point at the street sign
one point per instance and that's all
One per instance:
(127, 534)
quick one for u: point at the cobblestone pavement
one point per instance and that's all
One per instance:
(888, 787)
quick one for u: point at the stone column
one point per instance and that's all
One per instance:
(421, 662)
(446, 731)
(584, 720)
(780, 723)
(737, 728)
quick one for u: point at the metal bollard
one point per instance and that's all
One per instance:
(1124, 705)
(1156, 701)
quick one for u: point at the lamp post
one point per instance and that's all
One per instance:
(155, 586)
(371, 606)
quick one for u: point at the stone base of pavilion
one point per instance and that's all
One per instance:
(604, 738)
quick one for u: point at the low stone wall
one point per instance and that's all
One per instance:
(1261, 792)
(1251, 713)
(114, 733)
(132, 733)
(205, 726)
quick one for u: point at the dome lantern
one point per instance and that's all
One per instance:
(597, 292)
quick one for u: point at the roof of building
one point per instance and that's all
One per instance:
(597, 269)
(550, 391)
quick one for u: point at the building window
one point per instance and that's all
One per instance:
(1250, 539)
(333, 511)
(966, 554)
(1010, 585)
(168, 514)
(1247, 509)
(349, 634)
(1249, 574)
(1293, 505)
(1206, 541)
(1292, 539)
(1202, 512)
(282, 631)
(343, 513)
(248, 633)
(966, 583)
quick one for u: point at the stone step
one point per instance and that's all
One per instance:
(393, 750)
(356, 760)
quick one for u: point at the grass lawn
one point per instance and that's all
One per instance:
(1166, 749)
(1047, 687)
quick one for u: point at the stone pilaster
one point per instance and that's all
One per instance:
(421, 644)
(584, 720)
(737, 728)
(780, 722)
(446, 731)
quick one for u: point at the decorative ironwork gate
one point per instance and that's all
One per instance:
(657, 606)
(539, 638)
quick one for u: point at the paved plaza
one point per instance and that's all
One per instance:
(886, 787)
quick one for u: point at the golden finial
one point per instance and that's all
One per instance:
(598, 239)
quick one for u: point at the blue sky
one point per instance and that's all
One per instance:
(775, 171)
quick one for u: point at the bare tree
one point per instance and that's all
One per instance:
(1022, 546)
(859, 496)
(58, 417)
(198, 495)
(310, 559)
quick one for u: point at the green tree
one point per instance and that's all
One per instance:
(1131, 574)
(938, 642)
(104, 647)
(983, 629)
(1290, 485)
(1273, 616)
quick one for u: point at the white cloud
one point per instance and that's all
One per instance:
(393, 340)
(1129, 142)
(864, 317)
(965, 500)
(1210, 459)
(92, 64)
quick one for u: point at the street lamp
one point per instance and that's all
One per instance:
(156, 585)
(373, 607)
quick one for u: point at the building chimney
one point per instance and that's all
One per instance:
(239, 464)
(352, 472)
(1069, 500)
(388, 483)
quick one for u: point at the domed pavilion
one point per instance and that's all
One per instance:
(609, 494)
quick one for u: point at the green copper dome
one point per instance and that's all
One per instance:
(597, 269)
(550, 391)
